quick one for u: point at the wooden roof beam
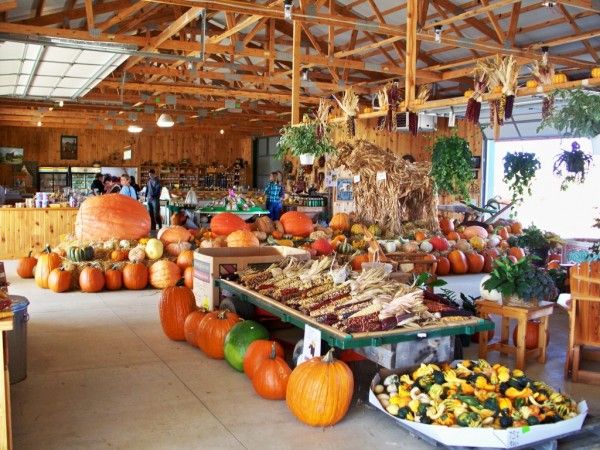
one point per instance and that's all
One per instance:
(494, 21)
(514, 22)
(576, 28)
(568, 39)
(74, 13)
(471, 13)
(121, 15)
(89, 14)
(587, 5)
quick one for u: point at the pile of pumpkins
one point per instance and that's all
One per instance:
(158, 262)
(318, 392)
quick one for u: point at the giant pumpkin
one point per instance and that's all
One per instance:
(46, 262)
(103, 217)
(319, 391)
(297, 224)
(164, 274)
(176, 303)
(212, 330)
(226, 223)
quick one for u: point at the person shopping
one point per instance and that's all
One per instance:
(274, 196)
(97, 186)
(153, 189)
(126, 188)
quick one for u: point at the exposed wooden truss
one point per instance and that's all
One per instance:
(255, 58)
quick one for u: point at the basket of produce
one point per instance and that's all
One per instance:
(473, 402)
(414, 263)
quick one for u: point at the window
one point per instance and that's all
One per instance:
(569, 213)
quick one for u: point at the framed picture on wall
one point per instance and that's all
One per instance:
(68, 147)
(344, 190)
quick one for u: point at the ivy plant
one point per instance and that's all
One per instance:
(519, 171)
(301, 139)
(451, 167)
(579, 116)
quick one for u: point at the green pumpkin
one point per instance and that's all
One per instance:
(78, 254)
(345, 248)
(239, 339)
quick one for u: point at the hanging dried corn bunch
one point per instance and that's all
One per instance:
(322, 118)
(349, 105)
(382, 101)
(473, 110)
(543, 72)
(394, 99)
(423, 94)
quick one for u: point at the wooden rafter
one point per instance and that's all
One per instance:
(458, 11)
(568, 39)
(494, 21)
(411, 51)
(121, 15)
(89, 14)
(514, 23)
(576, 28)
(588, 5)
(296, 75)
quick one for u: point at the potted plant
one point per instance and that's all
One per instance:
(451, 168)
(519, 171)
(579, 116)
(538, 242)
(521, 283)
(302, 141)
(575, 162)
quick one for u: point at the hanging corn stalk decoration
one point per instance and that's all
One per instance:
(474, 103)
(390, 97)
(322, 118)
(543, 72)
(382, 101)
(349, 105)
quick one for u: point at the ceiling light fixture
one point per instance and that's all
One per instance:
(304, 75)
(134, 129)
(437, 33)
(165, 121)
(39, 124)
(287, 9)
(549, 4)
(222, 131)
(61, 103)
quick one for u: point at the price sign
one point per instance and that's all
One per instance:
(356, 178)
(381, 175)
(311, 345)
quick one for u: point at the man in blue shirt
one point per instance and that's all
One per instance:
(153, 189)
(126, 188)
(274, 196)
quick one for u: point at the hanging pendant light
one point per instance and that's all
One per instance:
(134, 129)
(165, 121)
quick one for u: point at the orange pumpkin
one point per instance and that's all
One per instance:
(271, 377)
(264, 224)
(553, 265)
(174, 234)
(114, 279)
(340, 222)
(517, 252)
(358, 260)
(119, 255)
(452, 236)
(175, 304)
(190, 326)
(446, 225)
(91, 279)
(135, 276)
(25, 266)
(185, 259)
(475, 261)
(516, 228)
(277, 234)
(188, 277)
(226, 223)
(420, 236)
(443, 266)
(257, 352)
(212, 330)
(458, 262)
(46, 262)
(531, 335)
(503, 233)
(319, 391)
(59, 280)
(242, 238)
(103, 217)
(475, 230)
(164, 274)
(297, 224)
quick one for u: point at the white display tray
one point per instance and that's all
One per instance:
(488, 437)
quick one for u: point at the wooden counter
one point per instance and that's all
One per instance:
(25, 229)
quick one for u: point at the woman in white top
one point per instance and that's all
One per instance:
(126, 188)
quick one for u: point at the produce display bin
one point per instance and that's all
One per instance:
(342, 340)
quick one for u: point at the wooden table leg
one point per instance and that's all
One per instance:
(483, 344)
(542, 339)
(505, 329)
(576, 358)
(522, 324)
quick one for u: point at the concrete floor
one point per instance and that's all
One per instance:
(102, 375)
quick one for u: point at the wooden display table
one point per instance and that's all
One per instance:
(5, 425)
(25, 229)
(522, 316)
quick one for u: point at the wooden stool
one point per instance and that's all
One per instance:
(522, 316)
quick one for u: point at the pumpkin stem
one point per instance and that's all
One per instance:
(30, 252)
(273, 352)
(180, 283)
(48, 249)
(222, 314)
(328, 358)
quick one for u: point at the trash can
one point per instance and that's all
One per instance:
(17, 340)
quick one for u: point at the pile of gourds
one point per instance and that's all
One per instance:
(472, 394)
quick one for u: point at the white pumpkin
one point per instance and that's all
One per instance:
(390, 246)
(493, 241)
(111, 244)
(137, 254)
(124, 244)
(492, 295)
(410, 247)
(426, 246)
(154, 248)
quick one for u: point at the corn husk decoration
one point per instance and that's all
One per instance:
(382, 101)
(543, 72)
(349, 105)
(392, 100)
(322, 118)
(473, 110)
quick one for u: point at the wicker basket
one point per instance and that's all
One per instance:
(516, 301)
(414, 263)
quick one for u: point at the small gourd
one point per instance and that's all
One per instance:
(532, 84)
(558, 78)
(596, 72)
(469, 93)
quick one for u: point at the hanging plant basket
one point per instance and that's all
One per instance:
(307, 159)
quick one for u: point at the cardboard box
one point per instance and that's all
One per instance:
(487, 437)
(213, 263)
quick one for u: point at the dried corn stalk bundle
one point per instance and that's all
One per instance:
(322, 119)
(473, 110)
(407, 194)
(349, 105)
(543, 72)
(389, 98)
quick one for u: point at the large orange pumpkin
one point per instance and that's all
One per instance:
(103, 217)
(226, 223)
(173, 234)
(190, 326)
(319, 391)
(458, 262)
(517, 252)
(46, 262)
(257, 352)
(59, 280)
(475, 230)
(452, 236)
(175, 304)
(340, 222)
(26, 265)
(446, 225)
(114, 279)
(135, 276)
(91, 279)
(212, 331)
(297, 223)
(188, 277)
(271, 377)
(164, 274)
(242, 238)
(443, 266)
(358, 260)
(516, 228)
(475, 261)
